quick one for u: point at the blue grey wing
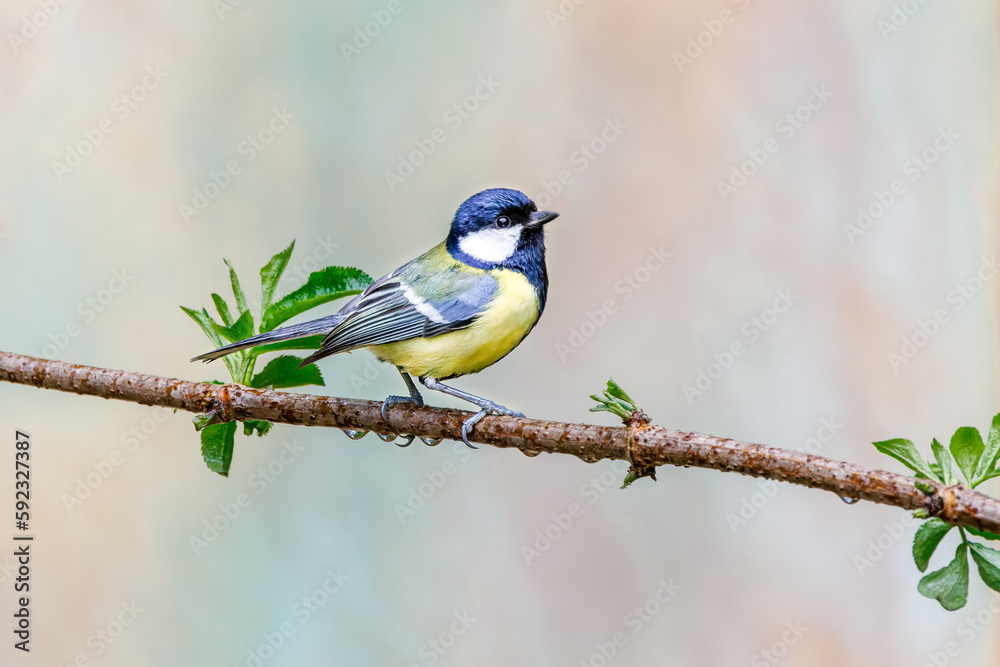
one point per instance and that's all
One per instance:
(462, 309)
(390, 311)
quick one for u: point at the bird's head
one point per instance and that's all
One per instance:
(493, 227)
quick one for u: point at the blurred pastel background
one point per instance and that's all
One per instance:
(739, 138)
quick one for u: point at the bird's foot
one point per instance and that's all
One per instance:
(396, 400)
(486, 408)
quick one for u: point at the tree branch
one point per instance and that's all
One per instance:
(643, 445)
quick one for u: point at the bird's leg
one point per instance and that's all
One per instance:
(414, 398)
(486, 407)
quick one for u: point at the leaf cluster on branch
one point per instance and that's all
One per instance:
(977, 462)
(282, 372)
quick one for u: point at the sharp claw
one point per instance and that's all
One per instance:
(466, 429)
(490, 408)
(470, 423)
(406, 443)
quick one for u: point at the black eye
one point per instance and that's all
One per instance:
(503, 221)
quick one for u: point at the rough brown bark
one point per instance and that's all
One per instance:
(643, 445)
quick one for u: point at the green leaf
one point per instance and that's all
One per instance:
(967, 448)
(615, 391)
(333, 282)
(241, 328)
(260, 426)
(989, 475)
(926, 541)
(210, 327)
(903, 451)
(950, 584)
(936, 471)
(217, 446)
(203, 420)
(223, 308)
(615, 401)
(207, 324)
(241, 299)
(269, 277)
(988, 561)
(985, 534)
(944, 462)
(284, 371)
(612, 406)
(988, 461)
(630, 478)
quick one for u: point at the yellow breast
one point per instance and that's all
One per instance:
(503, 324)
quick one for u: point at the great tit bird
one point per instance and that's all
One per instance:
(461, 306)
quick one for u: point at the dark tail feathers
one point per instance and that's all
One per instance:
(320, 326)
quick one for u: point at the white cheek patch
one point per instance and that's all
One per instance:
(491, 245)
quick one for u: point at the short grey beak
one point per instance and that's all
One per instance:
(539, 218)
